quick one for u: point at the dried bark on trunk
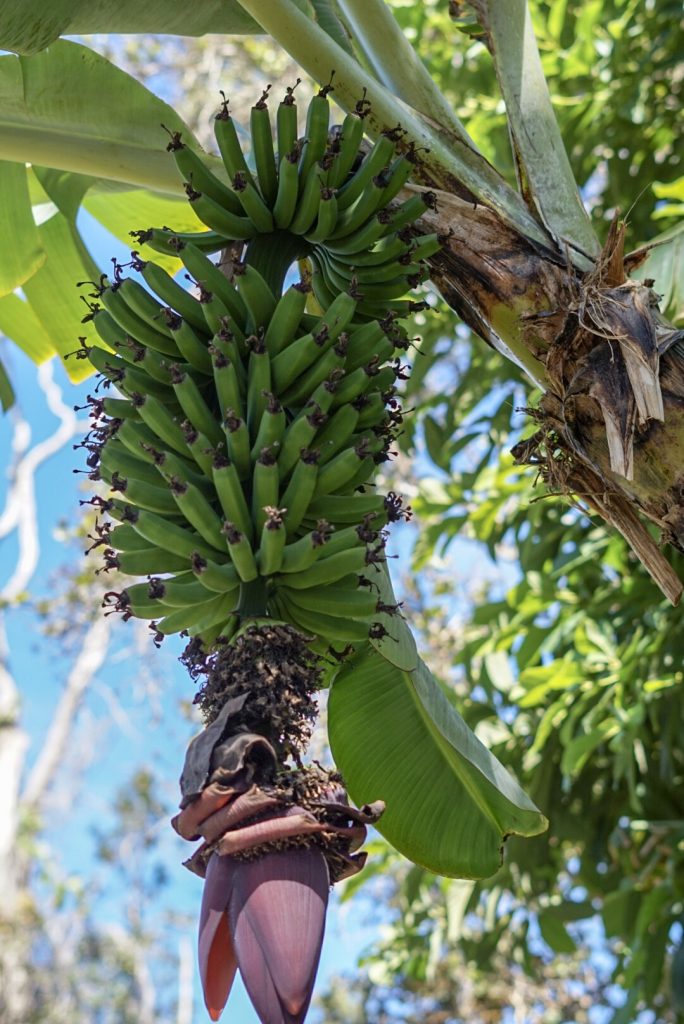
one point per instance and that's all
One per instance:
(611, 420)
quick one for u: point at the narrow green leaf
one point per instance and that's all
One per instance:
(6, 390)
(71, 109)
(32, 25)
(21, 251)
(555, 934)
(395, 737)
(53, 294)
(20, 323)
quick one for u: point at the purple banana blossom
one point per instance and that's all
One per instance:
(272, 845)
(266, 917)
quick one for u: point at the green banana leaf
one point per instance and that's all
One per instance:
(20, 323)
(21, 251)
(63, 102)
(53, 296)
(6, 390)
(32, 25)
(71, 109)
(395, 737)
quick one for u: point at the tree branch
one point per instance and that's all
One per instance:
(20, 512)
(89, 661)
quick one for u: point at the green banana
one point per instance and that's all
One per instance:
(140, 493)
(199, 446)
(326, 570)
(208, 275)
(286, 121)
(158, 418)
(259, 300)
(148, 561)
(326, 217)
(379, 156)
(228, 143)
(164, 534)
(262, 148)
(331, 628)
(190, 345)
(133, 325)
(231, 496)
(330, 361)
(170, 243)
(238, 444)
(258, 384)
(299, 435)
(170, 292)
(197, 616)
(360, 210)
(354, 603)
(271, 427)
(219, 577)
(299, 492)
(115, 457)
(194, 406)
(253, 205)
(217, 218)
(316, 136)
(226, 383)
(286, 318)
(272, 545)
(302, 553)
(337, 473)
(265, 487)
(199, 512)
(241, 553)
(288, 189)
(337, 432)
(309, 201)
(350, 140)
(195, 172)
(143, 304)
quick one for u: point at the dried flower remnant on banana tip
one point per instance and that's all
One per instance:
(274, 838)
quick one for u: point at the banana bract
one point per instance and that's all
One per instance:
(252, 411)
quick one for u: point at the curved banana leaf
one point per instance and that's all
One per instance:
(395, 737)
(31, 25)
(53, 295)
(20, 323)
(6, 390)
(21, 252)
(71, 109)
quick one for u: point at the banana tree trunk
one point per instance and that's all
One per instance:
(611, 420)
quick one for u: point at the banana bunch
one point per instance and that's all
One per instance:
(332, 201)
(250, 418)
